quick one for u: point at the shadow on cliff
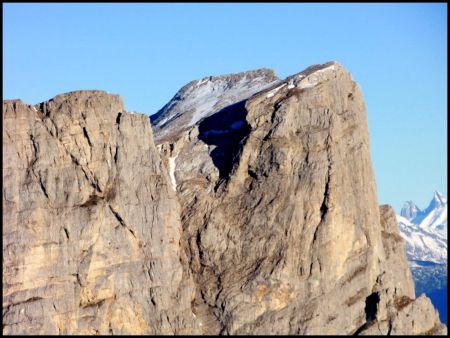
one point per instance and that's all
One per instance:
(225, 130)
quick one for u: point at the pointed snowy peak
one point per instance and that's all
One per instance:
(434, 217)
(410, 210)
(439, 199)
(425, 231)
(437, 202)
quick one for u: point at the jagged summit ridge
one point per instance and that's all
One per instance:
(438, 201)
(410, 210)
(425, 231)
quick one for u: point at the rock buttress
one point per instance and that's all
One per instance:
(280, 219)
(91, 227)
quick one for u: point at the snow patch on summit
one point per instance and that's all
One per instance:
(316, 77)
(210, 95)
(202, 98)
(275, 90)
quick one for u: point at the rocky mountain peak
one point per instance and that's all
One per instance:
(255, 213)
(433, 212)
(291, 160)
(226, 81)
(438, 200)
(249, 75)
(409, 210)
(202, 98)
(425, 231)
(84, 101)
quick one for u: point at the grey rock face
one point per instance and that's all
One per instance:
(260, 216)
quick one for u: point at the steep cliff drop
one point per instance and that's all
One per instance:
(280, 218)
(256, 215)
(91, 225)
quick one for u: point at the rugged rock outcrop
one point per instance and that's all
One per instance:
(258, 215)
(280, 216)
(91, 227)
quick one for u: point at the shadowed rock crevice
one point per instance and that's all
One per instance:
(371, 308)
(225, 131)
(92, 201)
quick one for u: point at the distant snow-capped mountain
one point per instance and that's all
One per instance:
(425, 231)
(410, 210)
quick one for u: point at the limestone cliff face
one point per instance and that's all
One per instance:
(261, 218)
(91, 227)
(281, 223)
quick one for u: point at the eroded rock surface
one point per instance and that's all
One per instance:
(398, 312)
(280, 216)
(258, 215)
(91, 227)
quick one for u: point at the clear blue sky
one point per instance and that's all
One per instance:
(146, 52)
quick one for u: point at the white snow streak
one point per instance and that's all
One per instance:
(315, 78)
(272, 93)
(172, 166)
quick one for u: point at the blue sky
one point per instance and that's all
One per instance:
(146, 52)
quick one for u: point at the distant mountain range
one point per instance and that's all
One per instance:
(425, 231)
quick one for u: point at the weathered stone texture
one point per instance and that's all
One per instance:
(280, 217)
(259, 219)
(91, 228)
